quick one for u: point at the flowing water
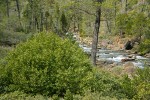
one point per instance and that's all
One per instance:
(111, 56)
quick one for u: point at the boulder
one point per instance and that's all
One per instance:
(147, 55)
(129, 68)
(128, 64)
(132, 56)
(113, 65)
(128, 45)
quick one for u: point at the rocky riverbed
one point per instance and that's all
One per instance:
(114, 58)
(111, 52)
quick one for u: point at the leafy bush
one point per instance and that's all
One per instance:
(100, 85)
(13, 37)
(4, 51)
(123, 22)
(88, 95)
(22, 96)
(141, 82)
(145, 46)
(138, 88)
(133, 23)
(106, 84)
(48, 65)
(92, 96)
(128, 87)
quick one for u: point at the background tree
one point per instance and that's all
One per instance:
(96, 32)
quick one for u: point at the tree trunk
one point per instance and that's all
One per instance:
(46, 24)
(18, 8)
(108, 26)
(115, 9)
(36, 23)
(31, 25)
(41, 23)
(95, 34)
(7, 3)
(124, 9)
(124, 6)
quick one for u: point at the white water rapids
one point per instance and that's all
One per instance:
(117, 56)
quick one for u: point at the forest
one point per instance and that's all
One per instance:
(74, 49)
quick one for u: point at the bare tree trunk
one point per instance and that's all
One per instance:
(115, 15)
(46, 24)
(41, 23)
(124, 6)
(74, 24)
(18, 8)
(36, 23)
(108, 26)
(7, 3)
(31, 25)
(124, 9)
(95, 34)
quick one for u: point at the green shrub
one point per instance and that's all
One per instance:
(22, 96)
(128, 87)
(50, 65)
(145, 46)
(106, 84)
(138, 88)
(100, 85)
(141, 82)
(4, 51)
(4, 80)
(133, 23)
(88, 95)
(13, 37)
(47, 65)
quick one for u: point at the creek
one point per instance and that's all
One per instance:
(111, 57)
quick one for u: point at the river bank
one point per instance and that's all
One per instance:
(112, 56)
(111, 43)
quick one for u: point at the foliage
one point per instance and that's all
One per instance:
(64, 23)
(46, 64)
(136, 24)
(4, 51)
(106, 84)
(145, 46)
(22, 96)
(142, 84)
(140, 24)
(12, 32)
(128, 87)
(138, 88)
(13, 37)
(124, 23)
(135, 20)
(101, 85)
(88, 95)
(50, 65)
